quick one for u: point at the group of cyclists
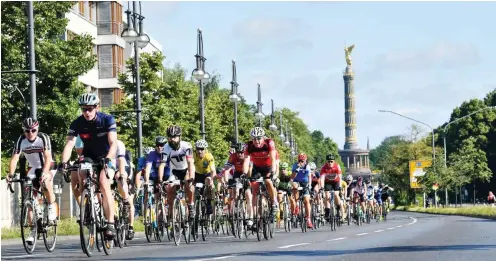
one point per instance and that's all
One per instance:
(256, 163)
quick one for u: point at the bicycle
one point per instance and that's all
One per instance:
(286, 210)
(180, 223)
(41, 225)
(263, 216)
(121, 221)
(91, 210)
(238, 214)
(201, 218)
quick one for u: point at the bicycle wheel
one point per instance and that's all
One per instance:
(49, 232)
(161, 217)
(108, 245)
(302, 217)
(204, 221)
(259, 220)
(187, 223)
(87, 221)
(148, 222)
(196, 222)
(31, 229)
(177, 223)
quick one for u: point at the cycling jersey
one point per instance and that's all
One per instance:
(236, 162)
(94, 134)
(155, 158)
(121, 153)
(141, 163)
(260, 156)
(301, 173)
(344, 186)
(179, 158)
(331, 171)
(370, 192)
(33, 150)
(79, 143)
(204, 165)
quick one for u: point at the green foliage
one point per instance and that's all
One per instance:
(59, 63)
(476, 211)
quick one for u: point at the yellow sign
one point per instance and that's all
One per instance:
(417, 170)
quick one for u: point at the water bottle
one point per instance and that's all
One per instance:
(153, 216)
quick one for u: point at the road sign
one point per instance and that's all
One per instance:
(417, 170)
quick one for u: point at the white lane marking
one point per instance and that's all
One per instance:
(361, 234)
(399, 226)
(390, 228)
(336, 239)
(378, 231)
(215, 258)
(21, 256)
(413, 222)
(288, 246)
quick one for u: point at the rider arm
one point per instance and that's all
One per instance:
(47, 152)
(191, 163)
(15, 156)
(272, 153)
(66, 154)
(211, 164)
(112, 137)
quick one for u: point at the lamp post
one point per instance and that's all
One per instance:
(235, 99)
(433, 148)
(282, 132)
(140, 40)
(259, 114)
(202, 77)
(444, 141)
(272, 125)
(286, 142)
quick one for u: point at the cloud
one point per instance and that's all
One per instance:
(444, 55)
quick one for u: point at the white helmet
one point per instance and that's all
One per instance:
(375, 188)
(202, 144)
(349, 178)
(312, 166)
(257, 132)
(148, 150)
(89, 99)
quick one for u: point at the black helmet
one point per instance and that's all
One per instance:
(239, 147)
(330, 157)
(174, 130)
(160, 140)
(30, 123)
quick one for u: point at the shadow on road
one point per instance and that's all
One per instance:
(476, 220)
(322, 253)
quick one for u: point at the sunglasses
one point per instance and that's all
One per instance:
(330, 161)
(301, 161)
(85, 109)
(200, 149)
(31, 130)
(258, 138)
(160, 144)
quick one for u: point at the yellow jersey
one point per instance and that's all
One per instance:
(344, 185)
(205, 164)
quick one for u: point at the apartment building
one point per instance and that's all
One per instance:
(103, 20)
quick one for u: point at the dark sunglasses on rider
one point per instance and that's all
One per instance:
(159, 144)
(258, 138)
(301, 161)
(30, 130)
(85, 109)
(200, 149)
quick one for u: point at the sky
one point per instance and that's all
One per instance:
(420, 59)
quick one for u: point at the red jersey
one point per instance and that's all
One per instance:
(260, 156)
(331, 171)
(236, 162)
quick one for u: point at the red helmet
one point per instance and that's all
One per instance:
(302, 156)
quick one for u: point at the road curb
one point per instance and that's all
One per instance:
(440, 214)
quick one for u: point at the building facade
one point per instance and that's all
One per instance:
(103, 20)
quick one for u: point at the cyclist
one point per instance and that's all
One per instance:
(37, 150)
(179, 154)
(284, 179)
(301, 175)
(121, 177)
(360, 190)
(315, 185)
(330, 176)
(262, 152)
(385, 195)
(98, 131)
(235, 165)
(370, 194)
(205, 170)
(140, 170)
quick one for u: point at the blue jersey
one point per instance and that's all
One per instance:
(79, 143)
(155, 159)
(141, 163)
(301, 173)
(94, 134)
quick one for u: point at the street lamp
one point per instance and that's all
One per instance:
(272, 126)
(433, 148)
(235, 99)
(140, 40)
(286, 142)
(282, 133)
(201, 76)
(444, 138)
(259, 114)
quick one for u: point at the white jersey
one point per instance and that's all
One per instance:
(121, 152)
(33, 151)
(178, 158)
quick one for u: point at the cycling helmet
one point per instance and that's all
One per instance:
(302, 156)
(375, 188)
(160, 140)
(89, 99)
(257, 132)
(148, 150)
(367, 181)
(201, 144)
(284, 165)
(30, 123)
(330, 157)
(174, 130)
(359, 179)
(349, 178)
(239, 147)
(312, 166)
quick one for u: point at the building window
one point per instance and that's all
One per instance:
(110, 61)
(109, 18)
(106, 97)
(91, 9)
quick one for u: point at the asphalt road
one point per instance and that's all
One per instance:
(405, 236)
